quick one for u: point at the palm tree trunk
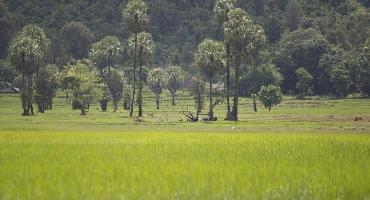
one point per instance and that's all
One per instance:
(134, 77)
(234, 112)
(228, 78)
(254, 103)
(29, 95)
(270, 105)
(24, 96)
(103, 105)
(210, 113)
(173, 98)
(115, 106)
(141, 84)
(157, 100)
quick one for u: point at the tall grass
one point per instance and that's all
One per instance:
(111, 165)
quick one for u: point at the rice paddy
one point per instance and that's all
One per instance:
(310, 149)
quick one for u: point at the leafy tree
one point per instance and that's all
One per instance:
(209, 58)
(304, 84)
(269, 96)
(136, 18)
(303, 47)
(340, 79)
(78, 39)
(274, 27)
(26, 53)
(156, 82)
(326, 63)
(46, 86)
(221, 10)
(354, 26)
(343, 71)
(245, 39)
(364, 72)
(293, 14)
(265, 74)
(258, 76)
(106, 55)
(197, 90)
(115, 84)
(107, 52)
(175, 80)
(83, 84)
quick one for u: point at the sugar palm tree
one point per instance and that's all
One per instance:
(209, 59)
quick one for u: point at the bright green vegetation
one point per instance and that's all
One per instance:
(310, 149)
(166, 165)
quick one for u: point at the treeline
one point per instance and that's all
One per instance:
(305, 47)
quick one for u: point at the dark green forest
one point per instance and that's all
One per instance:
(312, 47)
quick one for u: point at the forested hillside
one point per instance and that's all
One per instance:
(326, 38)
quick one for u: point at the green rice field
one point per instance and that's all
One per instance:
(302, 149)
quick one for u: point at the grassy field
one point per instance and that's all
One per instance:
(310, 149)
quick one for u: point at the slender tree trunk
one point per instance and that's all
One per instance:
(126, 105)
(210, 113)
(254, 103)
(51, 103)
(24, 96)
(254, 81)
(141, 84)
(199, 107)
(234, 112)
(157, 100)
(173, 98)
(29, 95)
(228, 79)
(134, 77)
(104, 105)
(115, 106)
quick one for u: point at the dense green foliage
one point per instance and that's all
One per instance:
(78, 39)
(304, 82)
(265, 42)
(179, 26)
(46, 87)
(81, 82)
